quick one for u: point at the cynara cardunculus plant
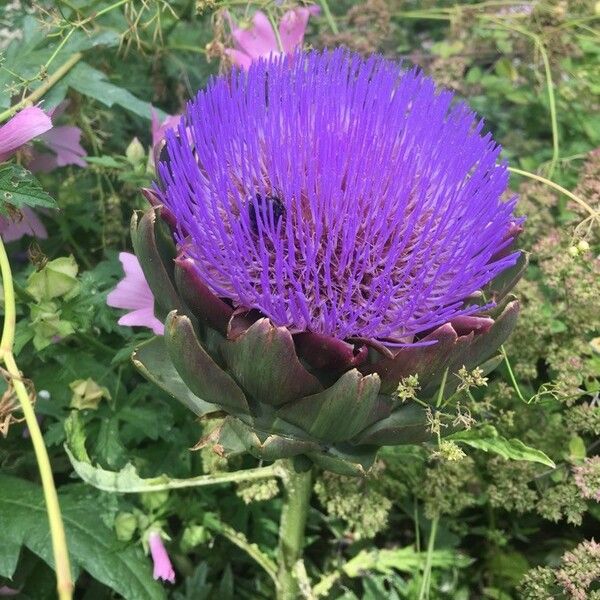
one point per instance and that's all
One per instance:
(325, 226)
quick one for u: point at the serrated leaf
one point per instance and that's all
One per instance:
(92, 545)
(488, 440)
(19, 188)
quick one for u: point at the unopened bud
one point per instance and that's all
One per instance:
(135, 152)
(154, 500)
(583, 246)
(125, 526)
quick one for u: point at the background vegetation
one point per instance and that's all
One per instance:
(504, 528)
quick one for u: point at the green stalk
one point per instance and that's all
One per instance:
(329, 17)
(48, 83)
(64, 584)
(297, 490)
(426, 580)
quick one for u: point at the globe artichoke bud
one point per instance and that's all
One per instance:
(324, 226)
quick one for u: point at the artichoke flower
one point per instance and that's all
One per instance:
(323, 226)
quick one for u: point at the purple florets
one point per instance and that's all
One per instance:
(339, 195)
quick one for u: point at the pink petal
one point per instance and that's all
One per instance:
(30, 224)
(293, 26)
(259, 39)
(63, 141)
(23, 127)
(8, 591)
(143, 317)
(239, 58)
(159, 130)
(133, 294)
(162, 564)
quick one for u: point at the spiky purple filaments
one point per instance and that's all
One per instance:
(338, 195)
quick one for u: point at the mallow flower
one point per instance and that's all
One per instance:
(162, 563)
(61, 148)
(133, 294)
(22, 128)
(323, 227)
(260, 40)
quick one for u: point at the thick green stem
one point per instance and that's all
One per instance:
(297, 490)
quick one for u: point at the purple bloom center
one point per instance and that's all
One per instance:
(338, 195)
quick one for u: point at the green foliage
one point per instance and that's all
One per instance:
(513, 493)
(488, 440)
(93, 545)
(19, 188)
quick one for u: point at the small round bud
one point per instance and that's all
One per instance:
(125, 526)
(194, 535)
(583, 246)
(573, 251)
(154, 500)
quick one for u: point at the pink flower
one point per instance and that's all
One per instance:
(159, 130)
(27, 223)
(22, 128)
(8, 591)
(132, 293)
(64, 143)
(259, 40)
(162, 565)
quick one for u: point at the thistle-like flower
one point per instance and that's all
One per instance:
(336, 225)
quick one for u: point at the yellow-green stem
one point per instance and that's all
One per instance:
(64, 583)
(43, 88)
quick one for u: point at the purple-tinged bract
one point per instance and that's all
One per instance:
(338, 195)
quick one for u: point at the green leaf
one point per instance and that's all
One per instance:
(92, 545)
(94, 84)
(124, 481)
(406, 560)
(488, 440)
(19, 188)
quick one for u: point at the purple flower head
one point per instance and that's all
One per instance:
(338, 195)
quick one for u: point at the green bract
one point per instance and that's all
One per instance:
(285, 395)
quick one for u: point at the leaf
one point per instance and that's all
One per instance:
(488, 440)
(93, 83)
(406, 560)
(19, 188)
(92, 545)
(24, 57)
(124, 481)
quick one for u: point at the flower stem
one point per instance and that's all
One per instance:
(64, 583)
(329, 17)
(49, 82)
(426, 581)
(297, 492)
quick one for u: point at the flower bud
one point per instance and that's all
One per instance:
(125, 526)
